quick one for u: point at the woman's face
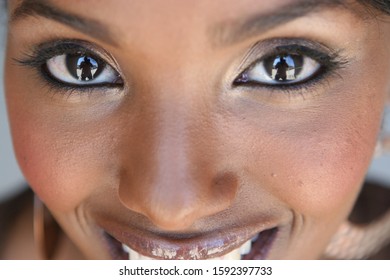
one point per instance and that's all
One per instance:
(185, 128)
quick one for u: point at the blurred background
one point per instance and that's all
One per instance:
(11, 179)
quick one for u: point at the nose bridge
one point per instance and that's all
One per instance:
(180, 183)
(175, 188)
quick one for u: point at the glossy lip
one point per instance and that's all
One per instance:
(185, 246)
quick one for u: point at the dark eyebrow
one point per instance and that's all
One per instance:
(232, 31)
(45, 9)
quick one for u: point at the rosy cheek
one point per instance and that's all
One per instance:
(327, 177)
(331, 183)
(317, 164)
(56, 170)
(39, 169)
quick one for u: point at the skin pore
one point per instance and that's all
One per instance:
(183, 146)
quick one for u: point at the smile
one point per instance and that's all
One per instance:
(230, 244)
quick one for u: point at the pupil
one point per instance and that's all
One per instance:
(82, 67)
(284, 67)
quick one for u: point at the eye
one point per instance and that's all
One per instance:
(280, 69)
(81, 69)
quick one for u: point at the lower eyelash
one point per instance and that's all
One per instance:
(331, 65)
(53, 90)
(67, 87)
(323, 71)
(39, 55)
(304, 90)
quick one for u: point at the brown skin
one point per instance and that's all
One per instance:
(180, 151)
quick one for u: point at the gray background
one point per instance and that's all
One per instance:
(11, 179)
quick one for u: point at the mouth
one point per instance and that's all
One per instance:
(232, 244)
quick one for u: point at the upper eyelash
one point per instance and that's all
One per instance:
(37, 57)
(322, 58)
(329, 62)
(40, 54)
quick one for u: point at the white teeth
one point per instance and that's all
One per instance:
(254, 238)
(125, 248)
(233, 255)
(133, 255)
(246, 247)
(144, 258)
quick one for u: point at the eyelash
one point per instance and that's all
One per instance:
(330, 61)
(39, 55)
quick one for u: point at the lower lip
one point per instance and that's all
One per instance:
(260, 248)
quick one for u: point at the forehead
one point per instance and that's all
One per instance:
(126, 22)
(176, 10)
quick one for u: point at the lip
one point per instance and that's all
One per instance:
(188, 246)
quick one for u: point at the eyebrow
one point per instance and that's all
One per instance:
(232, 31)
(224, 33)
(45, 9)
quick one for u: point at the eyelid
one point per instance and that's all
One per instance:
(40, 53)
(37, 56)
(263, 49)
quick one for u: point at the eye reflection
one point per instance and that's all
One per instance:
(280, 69)
(83, 68)
(284, 67)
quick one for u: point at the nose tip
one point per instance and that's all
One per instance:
(176, 204)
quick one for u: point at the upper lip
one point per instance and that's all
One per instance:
(205, 245)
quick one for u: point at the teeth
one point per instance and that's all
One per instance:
(144, 257)
(125, 248)
(246, 247)
(133, 255)
(254, 238)
(233, 255)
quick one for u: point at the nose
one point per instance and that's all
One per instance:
(172, 176)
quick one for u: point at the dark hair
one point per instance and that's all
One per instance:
(380, 5)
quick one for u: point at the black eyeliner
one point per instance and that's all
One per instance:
(330, 61)
(45, 51)
(40, 54)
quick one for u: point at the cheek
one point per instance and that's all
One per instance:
(65, 156)
(312, 162)
(328, 164)
(324, 177)
(63, 168)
